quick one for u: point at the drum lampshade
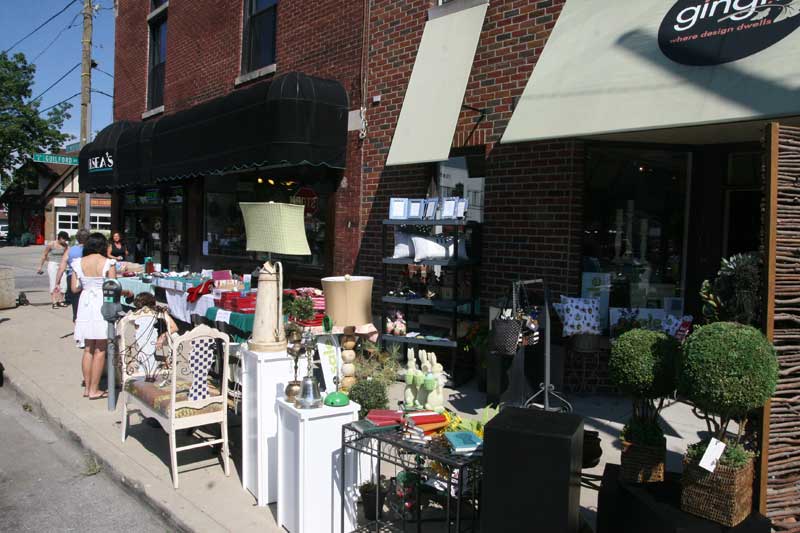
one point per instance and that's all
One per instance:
(348, 300)
(275, 228)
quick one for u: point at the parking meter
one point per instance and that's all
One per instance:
(111, 310)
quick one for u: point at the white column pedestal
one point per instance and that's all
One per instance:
(309, 469)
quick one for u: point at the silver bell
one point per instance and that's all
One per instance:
(309, 396)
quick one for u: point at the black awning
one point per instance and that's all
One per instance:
(296, 123)
(135, 155)
(96, 161)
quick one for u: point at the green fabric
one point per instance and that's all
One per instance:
(135, 285)
(242, 323)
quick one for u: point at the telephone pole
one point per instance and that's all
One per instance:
(85, 200)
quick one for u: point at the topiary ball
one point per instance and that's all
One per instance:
(369, 394)
(728, 369)
(643, 363)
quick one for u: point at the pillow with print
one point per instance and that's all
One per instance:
(581, 316)
(403, 246)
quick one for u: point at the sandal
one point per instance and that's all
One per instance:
(55, 306)
(100, 397)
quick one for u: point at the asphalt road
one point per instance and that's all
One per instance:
(48, 484)
(25, 261)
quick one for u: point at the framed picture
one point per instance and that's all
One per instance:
(398, 209)
(461, 208)
(416, 208)
(449, 207)
(430, 208)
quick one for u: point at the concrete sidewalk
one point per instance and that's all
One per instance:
(42, 365)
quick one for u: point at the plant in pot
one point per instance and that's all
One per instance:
(369, 394)
(642, 364)
(727, 370)
(367, 492)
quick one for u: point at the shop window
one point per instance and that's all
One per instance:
(67, 222)
(634, 231)
(100, 222)
(260, 26)
(464, 177)
(158, 61)
(741, 231)
(224, 224)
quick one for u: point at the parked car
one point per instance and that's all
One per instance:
(3, 232)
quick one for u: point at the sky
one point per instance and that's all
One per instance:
(18, 17)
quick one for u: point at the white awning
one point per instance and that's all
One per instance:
(623, 66)
(436, 89)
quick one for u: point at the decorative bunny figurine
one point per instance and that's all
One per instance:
(435, 381)
(410, 395)
(425, 369)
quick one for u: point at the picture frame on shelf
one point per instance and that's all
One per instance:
(416, 209)
(461, 208)
(398, 209)
(449, 207)
(430, 208)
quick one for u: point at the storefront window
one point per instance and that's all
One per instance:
(464, 177)
(634, 231)
(224, 224)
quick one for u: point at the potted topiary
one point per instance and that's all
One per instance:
(642, 364)
(369, 394)
(367, 491)
(727, 370)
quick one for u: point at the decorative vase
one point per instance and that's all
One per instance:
(724, 496)
(642, 464)
(292, 390)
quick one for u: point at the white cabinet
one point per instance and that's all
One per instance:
(310, 468)
(265, 376)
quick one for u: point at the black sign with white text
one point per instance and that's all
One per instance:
(713, 32)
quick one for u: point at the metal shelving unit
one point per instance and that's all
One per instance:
(452, 307)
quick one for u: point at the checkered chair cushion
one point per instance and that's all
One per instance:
(201, 358)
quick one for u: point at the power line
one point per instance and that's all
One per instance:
(72, 24)
(56, 82)
(104, 72)
(103, 93)
(59, 103)
(39, 27)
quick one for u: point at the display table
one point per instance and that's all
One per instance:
(265, 376)
(135, 285)
(238, 325)
(310, 469)
(655, 508)
(183, 310)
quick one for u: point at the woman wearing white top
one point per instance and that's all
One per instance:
(53, 253)
(91, 330)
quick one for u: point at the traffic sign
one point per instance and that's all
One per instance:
(55, 159)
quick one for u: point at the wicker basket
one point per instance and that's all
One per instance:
(642, 464)
(724, 496)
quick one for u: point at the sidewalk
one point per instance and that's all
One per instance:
(43, 366)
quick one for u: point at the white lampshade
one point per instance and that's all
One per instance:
(275, 228)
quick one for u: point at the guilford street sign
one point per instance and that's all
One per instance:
(55, 159)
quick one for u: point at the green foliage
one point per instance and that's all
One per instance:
(734, 456)
(728, 369)
(23, 131)
(377, 365)
(369, 394)
(643, 363)
(644, 432)
(735, 294)
(300, 308)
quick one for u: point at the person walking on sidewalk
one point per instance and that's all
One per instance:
(91, 329)
(74, 252)
(53, 253)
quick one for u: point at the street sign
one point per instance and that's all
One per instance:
(74, 147)
(55, 159)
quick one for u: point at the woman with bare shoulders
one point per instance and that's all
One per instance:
(91, 330)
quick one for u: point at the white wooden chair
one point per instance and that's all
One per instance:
(182, 396)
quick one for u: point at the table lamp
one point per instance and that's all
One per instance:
(274, 228)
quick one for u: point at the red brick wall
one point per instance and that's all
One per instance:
(130, 59)
(533, 194)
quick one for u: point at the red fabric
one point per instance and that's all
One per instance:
(194, 294)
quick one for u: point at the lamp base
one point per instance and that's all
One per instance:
(337, 399)
(266, 346)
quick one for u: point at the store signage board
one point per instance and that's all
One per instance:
(55, 159)
(652, 64)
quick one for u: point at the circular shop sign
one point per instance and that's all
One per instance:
(713, 32)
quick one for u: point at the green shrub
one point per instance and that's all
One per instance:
(643, 363)
(734, 455)
(644, 432)
(369, 394)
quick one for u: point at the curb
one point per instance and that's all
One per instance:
(38, 410)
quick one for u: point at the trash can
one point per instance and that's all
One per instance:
(8, 294)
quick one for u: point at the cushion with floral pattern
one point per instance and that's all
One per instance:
(581, 316)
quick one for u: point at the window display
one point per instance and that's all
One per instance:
(634, 228)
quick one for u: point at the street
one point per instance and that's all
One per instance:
(47, 484)
(25, 261)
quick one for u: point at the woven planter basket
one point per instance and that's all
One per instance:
(724, 496)
(642, 464)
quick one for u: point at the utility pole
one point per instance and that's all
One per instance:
(85, 201)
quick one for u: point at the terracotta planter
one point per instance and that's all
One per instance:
(724, 496)
(642, 464)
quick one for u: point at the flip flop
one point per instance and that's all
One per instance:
(104, 395)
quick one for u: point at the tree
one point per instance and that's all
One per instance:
(23, 131)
